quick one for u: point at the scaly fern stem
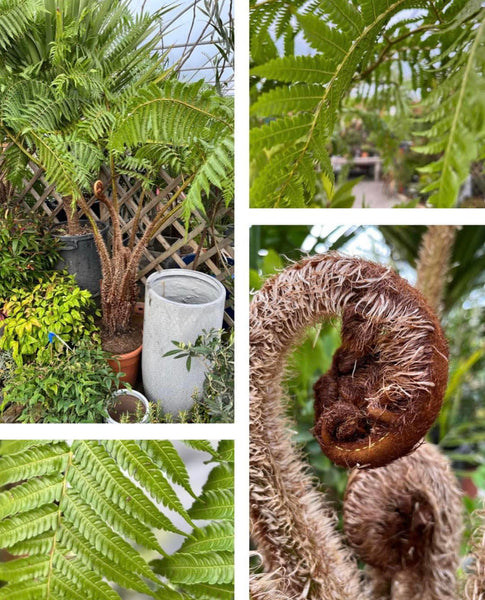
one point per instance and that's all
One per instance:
(136, 220)
(54, 540)
(382, 18)
(382, 56)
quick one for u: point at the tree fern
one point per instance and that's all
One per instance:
(360, 46)
(75, 510)
(456, 116)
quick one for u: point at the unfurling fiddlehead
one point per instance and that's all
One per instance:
(382, 393)
(387, 379)
(404, 521)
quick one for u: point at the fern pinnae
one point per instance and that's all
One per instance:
(81, 577)
(28, 525)
(30, 495)
(120, 574)
(122, 522)
(35, 462)
(350, 50)
(163, 453)
(138, 464)
(121, 490)
(109, 543)
(454, 128)
(26, 590)
(22, 569)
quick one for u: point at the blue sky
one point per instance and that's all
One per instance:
(186, 27)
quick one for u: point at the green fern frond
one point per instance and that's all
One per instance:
(343, 35)
(15, 18)
(163, 453)
(74, 507)
(205, 567)
(456, 122)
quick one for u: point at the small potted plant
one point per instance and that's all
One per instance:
(128, 406)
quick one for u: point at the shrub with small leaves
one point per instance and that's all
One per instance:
(27, 252)
(55, 305)
(218, 355)
(75, 387)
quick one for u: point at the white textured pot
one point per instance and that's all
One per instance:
(179, 305)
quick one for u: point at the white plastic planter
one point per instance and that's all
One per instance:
(179, 305)
(138, 397)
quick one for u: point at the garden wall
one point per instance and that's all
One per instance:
(207, 245)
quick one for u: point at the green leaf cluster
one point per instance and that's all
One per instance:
(27, 252)
(74, 387)
(204, 565)
(86, 86)
(73, 514)
(362, 50)
(455, 117)
(56, 304)
(217, 354)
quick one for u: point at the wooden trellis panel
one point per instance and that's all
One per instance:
(171, 243)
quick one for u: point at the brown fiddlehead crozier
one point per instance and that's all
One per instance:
(404, 520)
(387, 380)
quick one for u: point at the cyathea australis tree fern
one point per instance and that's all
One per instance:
(297, 99)
(81, 519)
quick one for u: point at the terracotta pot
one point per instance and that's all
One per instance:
(129, 364)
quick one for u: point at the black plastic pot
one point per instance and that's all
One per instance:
(80, 258)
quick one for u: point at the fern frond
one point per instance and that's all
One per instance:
(163, 453)
(456, 122)
(214, 537)
(203, 591)
(122, 522)
(30, 495)
(290, 69)
(343, 34)
(206, 567)
(28, 525)
(26, 590)
(73, 506)
(117, 487)
(35, 462)
(15, 18)
(138, 464)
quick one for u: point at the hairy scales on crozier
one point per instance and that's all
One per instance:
(404, 520)
(387, 380)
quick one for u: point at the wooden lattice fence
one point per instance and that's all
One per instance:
(202, 246)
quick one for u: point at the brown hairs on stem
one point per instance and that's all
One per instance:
(404, 520)
(386, 383)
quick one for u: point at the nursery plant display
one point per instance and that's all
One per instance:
(73, 386)
(55, 305)
(403, 520)
(387, 55)
(89, 517)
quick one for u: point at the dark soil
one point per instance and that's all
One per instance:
(124, 343)
(61, 229)
(127, 409)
